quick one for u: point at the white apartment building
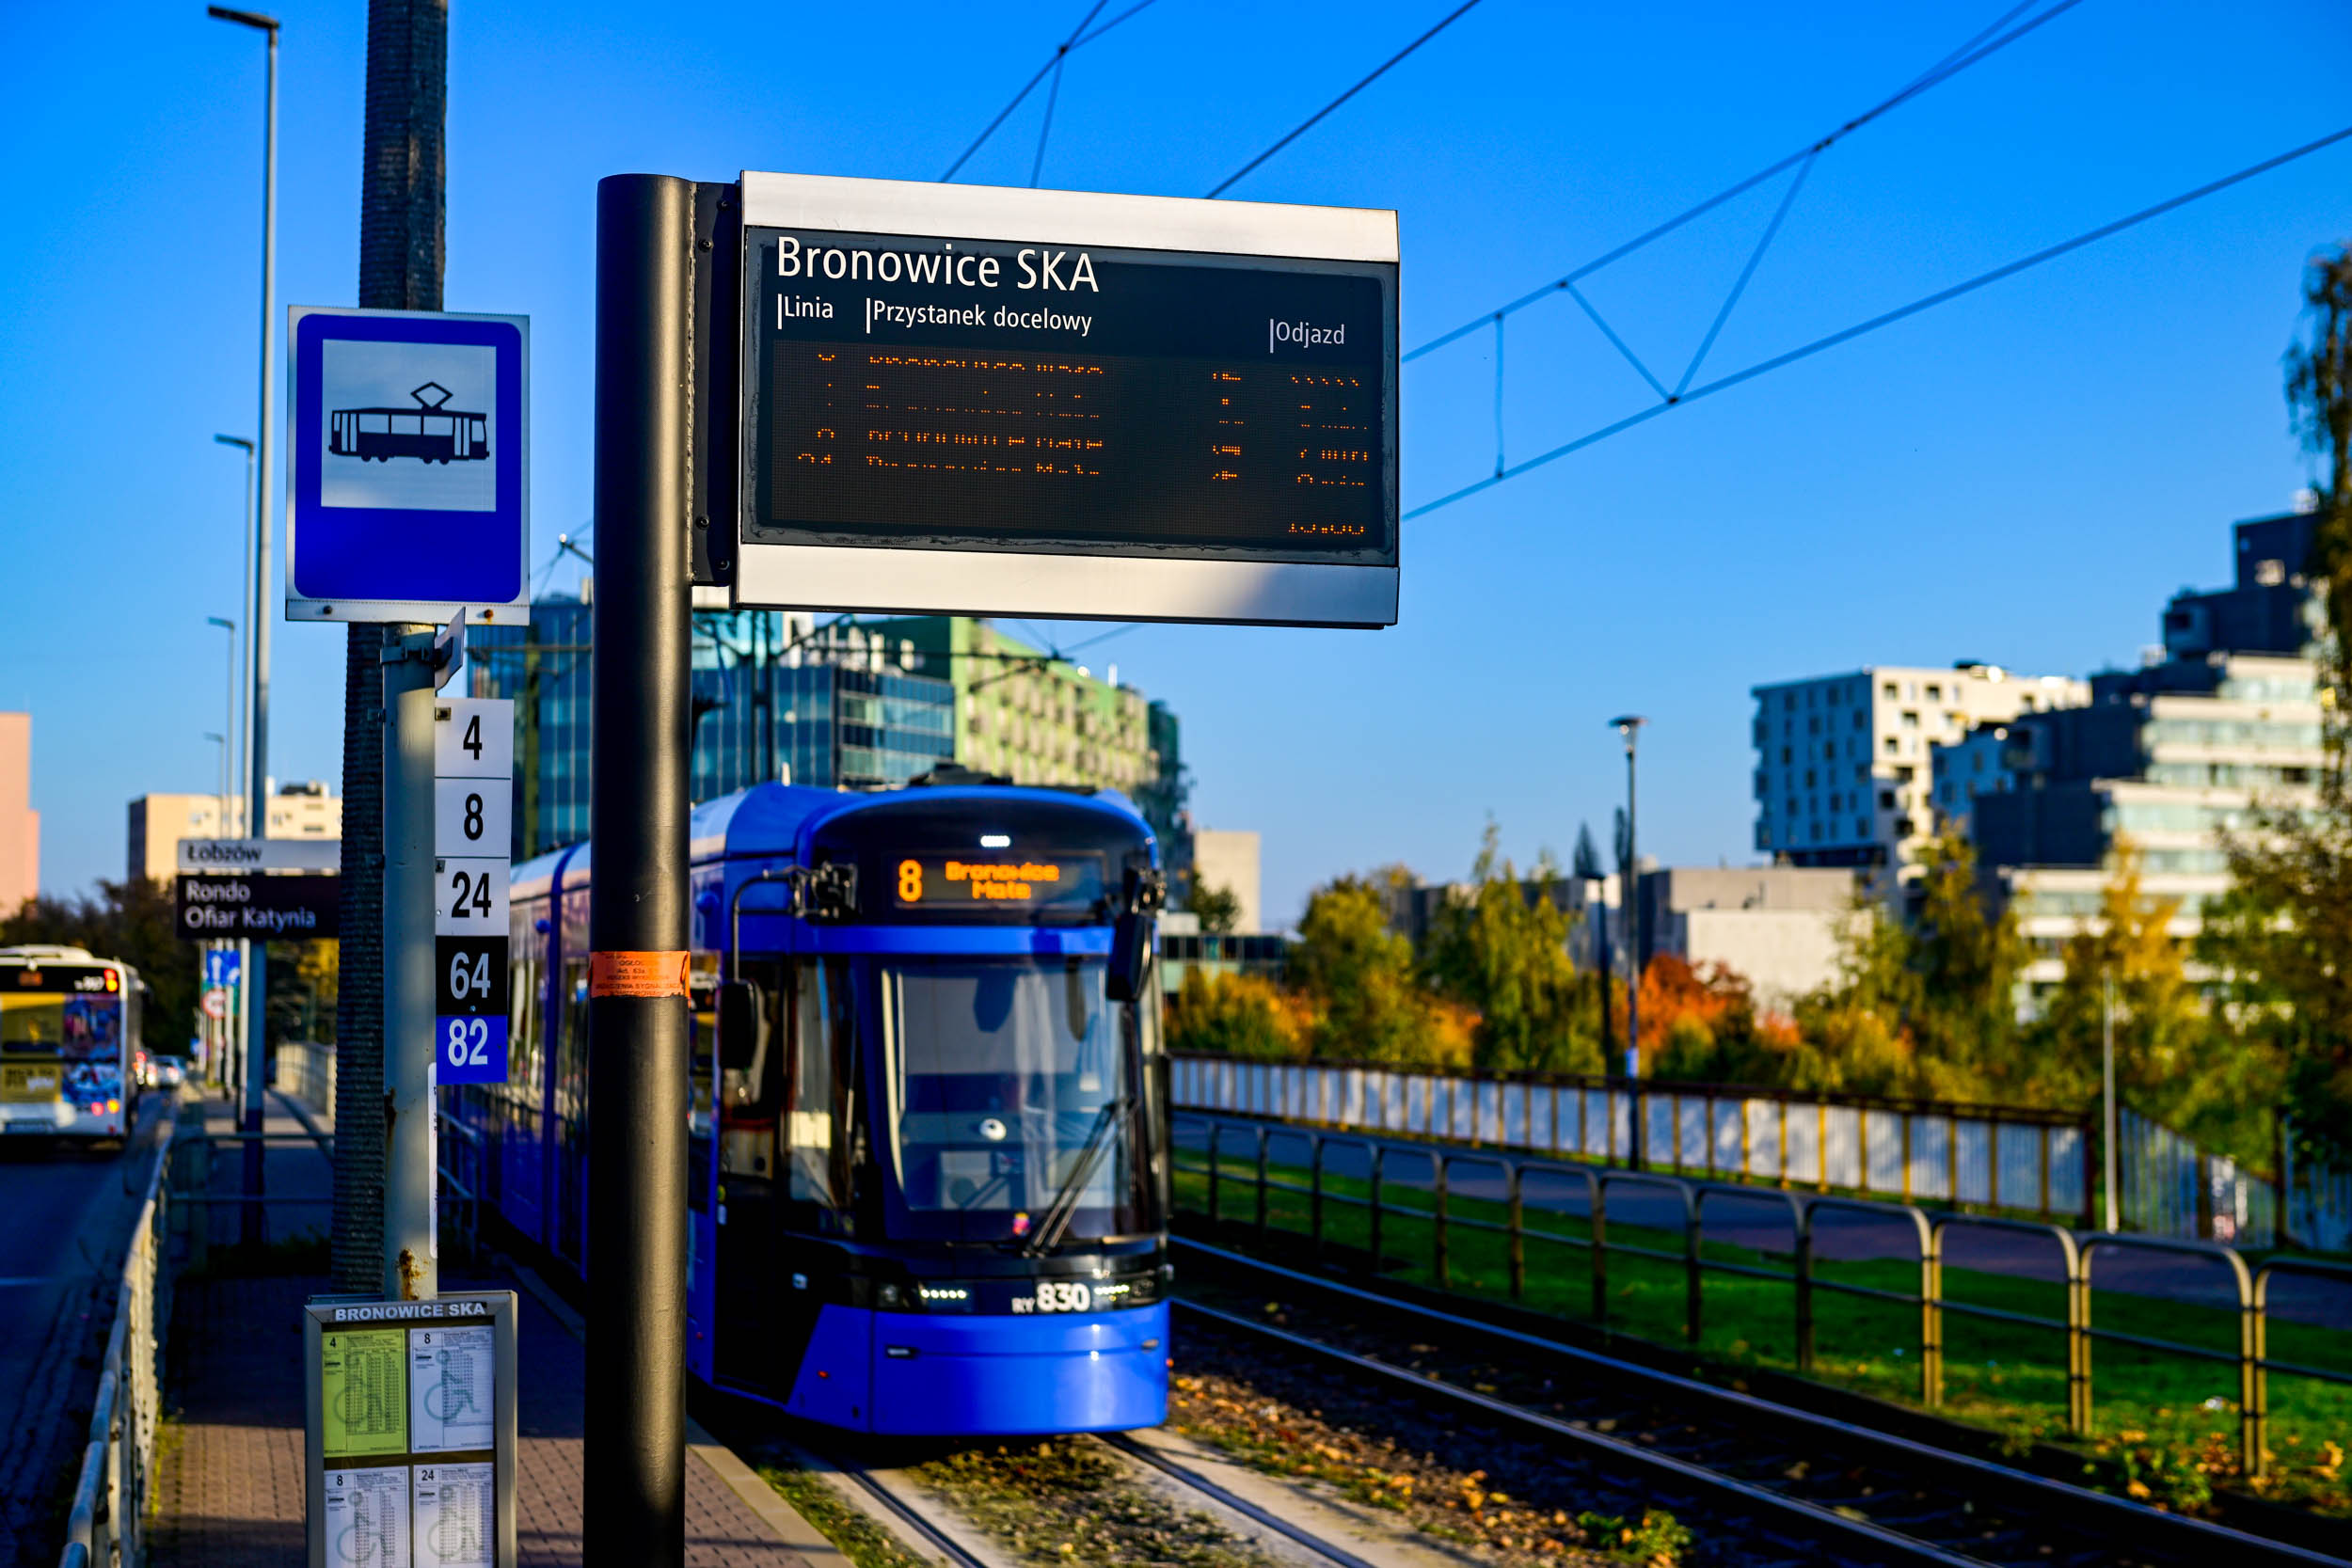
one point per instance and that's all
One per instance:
(1843, 762)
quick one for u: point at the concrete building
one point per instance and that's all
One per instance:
(1229, 859)
(159, 822)
(20, 824)
(1780, 928)
(1842, 774)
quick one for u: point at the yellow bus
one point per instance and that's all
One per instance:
(68, 1038)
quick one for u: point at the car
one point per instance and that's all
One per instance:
(164, 1073)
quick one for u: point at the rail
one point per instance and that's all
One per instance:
(107, 1523)
(1243, 1152)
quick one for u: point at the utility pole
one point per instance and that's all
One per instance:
(255, 978)
(400, 260)
(2108, 1117)
(635, 1450)
(1630, 901)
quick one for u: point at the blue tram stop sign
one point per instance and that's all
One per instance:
(408, 466)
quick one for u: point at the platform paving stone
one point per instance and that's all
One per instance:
(230, 1488)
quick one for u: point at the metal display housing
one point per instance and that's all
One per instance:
(516, 608)
(1173, 583)
(462, 1308)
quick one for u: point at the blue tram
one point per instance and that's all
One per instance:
(929, 1155)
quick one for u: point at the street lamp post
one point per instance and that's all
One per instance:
(214, 1028)
(1629, 900)
(255, 978)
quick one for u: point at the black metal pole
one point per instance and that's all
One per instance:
(637, 917)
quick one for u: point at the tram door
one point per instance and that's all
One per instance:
(782, 1174)
(752, 1091)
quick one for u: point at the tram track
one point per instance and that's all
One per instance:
(1862, 1495)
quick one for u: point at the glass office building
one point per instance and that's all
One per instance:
(774, 698)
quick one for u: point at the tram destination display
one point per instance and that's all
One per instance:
(968, 400)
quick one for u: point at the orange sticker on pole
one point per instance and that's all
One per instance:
(651, 975)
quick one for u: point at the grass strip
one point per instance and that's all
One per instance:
(1061, 1501)
(856, 1536)
(2167, 1422)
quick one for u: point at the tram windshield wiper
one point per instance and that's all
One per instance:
(1065, 1205)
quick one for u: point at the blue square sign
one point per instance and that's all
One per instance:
(408, 466)
(469, 1049)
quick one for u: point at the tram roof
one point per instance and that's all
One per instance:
(775, 819)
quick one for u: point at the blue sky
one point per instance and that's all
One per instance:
(2022, 476)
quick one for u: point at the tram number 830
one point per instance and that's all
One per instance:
(1057, 1296)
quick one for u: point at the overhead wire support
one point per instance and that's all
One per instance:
(1079, 37)
(1311, 121)
(1951, 65)
(1887, 318)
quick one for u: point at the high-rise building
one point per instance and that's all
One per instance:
(776, 697)
(2170, 757)
(1843, 762)
(2271, 609)
(20, 824)
(1036, 719)
(159, 822)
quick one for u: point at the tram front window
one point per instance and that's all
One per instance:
(1010, 1087)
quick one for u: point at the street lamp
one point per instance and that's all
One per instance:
(1628, 896)
(1629, 900)
(255, 749)
(229, 717)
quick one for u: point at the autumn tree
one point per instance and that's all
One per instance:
(1359, 977)
(1219, 909)
(1502, 952)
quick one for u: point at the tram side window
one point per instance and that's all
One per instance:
(571, 1047)
(751, 1094)
(817, 1112)
(525, 1029)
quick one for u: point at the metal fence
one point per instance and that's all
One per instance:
(2167, 1186)
(2318, 1202)
(107, 1525)
(1568, 1207)
(306, 1070)
(1997, 1157)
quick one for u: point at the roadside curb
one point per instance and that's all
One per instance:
(756, 1495)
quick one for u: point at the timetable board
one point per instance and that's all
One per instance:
(971, 400)
(410, 1430)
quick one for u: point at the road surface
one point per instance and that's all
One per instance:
(65, 1221)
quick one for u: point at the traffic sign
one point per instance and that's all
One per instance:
(408, 483)
(277, 909)
(971, 400)
(473, 758)
(215, 1004)
(222, 967)
(236, 855)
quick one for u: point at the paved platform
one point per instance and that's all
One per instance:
(230, 1490)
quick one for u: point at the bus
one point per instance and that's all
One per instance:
(68, 1038)
(928, 1154)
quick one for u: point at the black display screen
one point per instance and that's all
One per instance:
(959, 394)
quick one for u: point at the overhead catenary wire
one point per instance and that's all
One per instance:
(1079, 37)
(1951, 65)
(1887, 318)
(1309, 123)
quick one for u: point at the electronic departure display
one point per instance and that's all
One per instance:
(1069, 884)
(1000, 384)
